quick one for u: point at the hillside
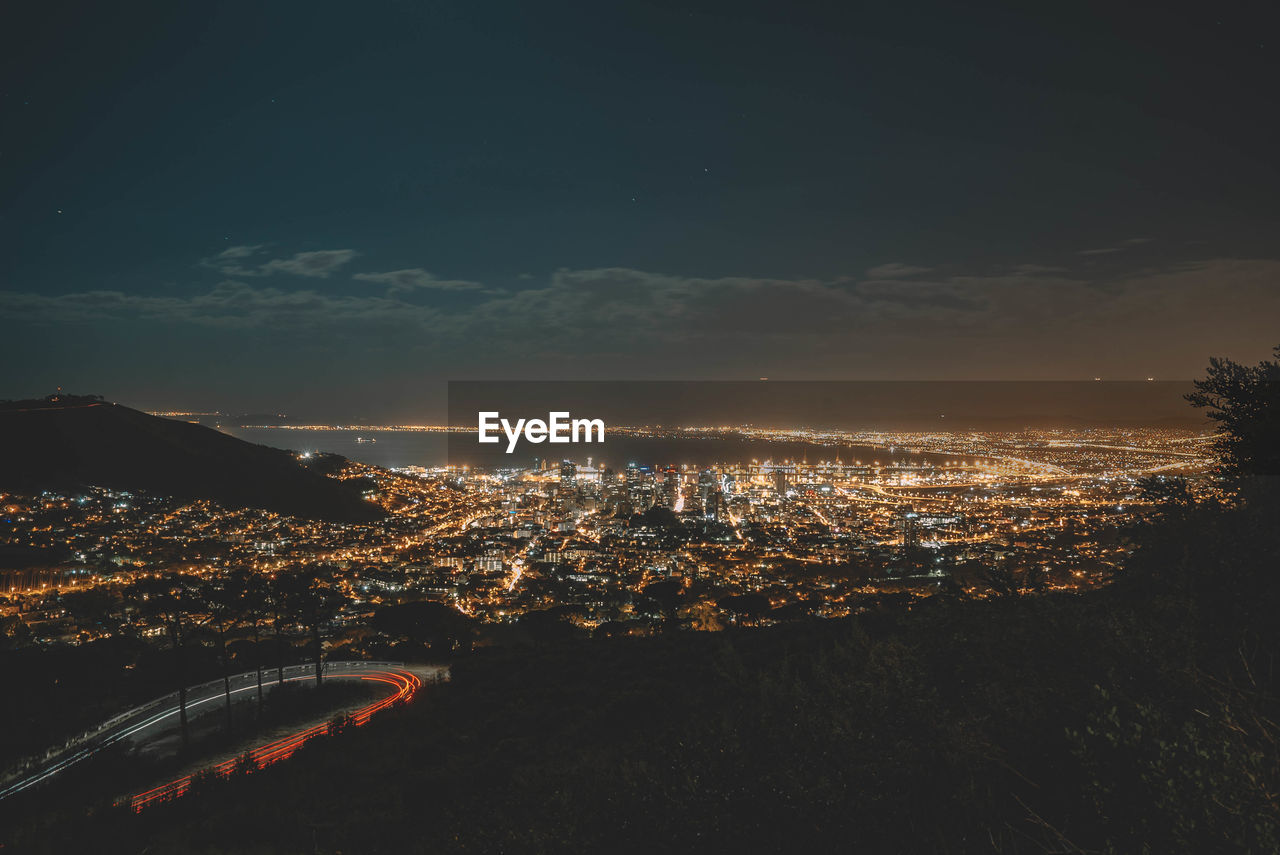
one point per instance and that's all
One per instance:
(71, 442)
(1135, 718)
(954, 731)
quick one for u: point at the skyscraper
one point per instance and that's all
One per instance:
(671, 487)
(568, 475)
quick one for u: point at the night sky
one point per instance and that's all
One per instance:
(330, 208)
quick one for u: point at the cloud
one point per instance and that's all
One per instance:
(1124, 244)
(232, 261)
(894, 270)
(416, 279)
(319, 264)
(241, 261)
(229, 305)
(1035, 269)
(235, 252)
(985, 325)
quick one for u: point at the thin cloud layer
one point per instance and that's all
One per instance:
(946, 325)
(894, 270)
(241, 261)
(318, 264)
(416, 279)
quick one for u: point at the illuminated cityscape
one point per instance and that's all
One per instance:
(639, 428)
(586, 538)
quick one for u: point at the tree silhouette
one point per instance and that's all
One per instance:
(256, 596)
(224, 599)
(170, 598)
(276, 607)
(1244, 400)
(98, 606)
(746, 607)
(668, 594)
(312, 599)
(547, 626)
(1006, 577)
(425, 623)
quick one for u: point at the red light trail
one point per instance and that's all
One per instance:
(405, 685)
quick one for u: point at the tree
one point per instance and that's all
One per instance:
(277, 608)
(1244, 400)
(98, 606)
(224, 598)
(426, 623)
(667, 593)
(1006, 577)
(256, 594)
(746, 607)
(1172, 497)
(13, 631)
(547, 626)
(312, 598)
(170, 599)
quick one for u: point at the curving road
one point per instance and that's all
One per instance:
(402, 682)
(152, 720)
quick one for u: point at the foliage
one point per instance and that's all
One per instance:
(1244, 400)
(1133, 719)
(427, 624)
(1191, 780)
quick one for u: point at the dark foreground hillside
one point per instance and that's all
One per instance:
(70, 443)
(1134, 720)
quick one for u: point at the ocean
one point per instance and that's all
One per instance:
(393, 448)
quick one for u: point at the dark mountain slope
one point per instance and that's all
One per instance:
(61, 444)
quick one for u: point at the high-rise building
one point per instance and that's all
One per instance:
(567, 492)
(640, 487)
(671, 487)
(709, 494)
(568, 475)
(910, 558)
(910, 528)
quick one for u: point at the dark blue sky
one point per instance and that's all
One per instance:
(330, 206)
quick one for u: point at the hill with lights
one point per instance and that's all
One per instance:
(66, 442)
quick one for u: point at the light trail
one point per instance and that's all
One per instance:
(405, 684)
(517, 570)
(96, 744)
(1141, 449)
(89, 751)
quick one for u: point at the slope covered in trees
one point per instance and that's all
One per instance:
(67, 443)
(1138, 718)
(1024, 723)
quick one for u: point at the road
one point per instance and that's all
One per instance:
(403, 684)
(150, 721)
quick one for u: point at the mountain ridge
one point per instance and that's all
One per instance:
(72, 441)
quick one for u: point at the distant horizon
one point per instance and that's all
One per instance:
(1165, 395)
(925, 354)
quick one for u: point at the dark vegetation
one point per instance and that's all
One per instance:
(238, 622)
(65, 444)
(1137, 719)
(123, 768)
(283, 706)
